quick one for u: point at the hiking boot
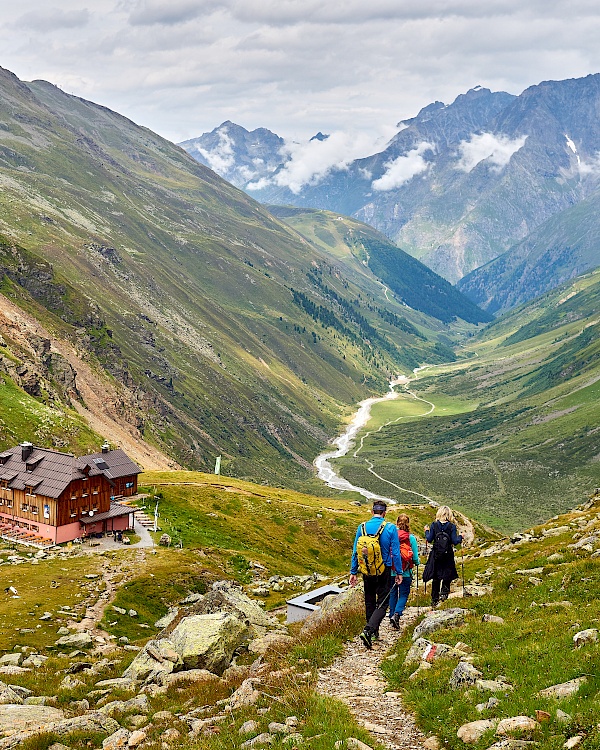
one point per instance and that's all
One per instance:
(365, 637)
(395, 621)
(434, 605)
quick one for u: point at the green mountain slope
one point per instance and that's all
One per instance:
(515, 439)
(220, 329)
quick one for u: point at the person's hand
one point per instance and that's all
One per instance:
(353, 580)
(426, 528)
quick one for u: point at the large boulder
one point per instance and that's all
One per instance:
(156, 658)
(227, 597)
(208, 641)
(438, 619)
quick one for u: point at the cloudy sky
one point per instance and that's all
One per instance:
(181, 67)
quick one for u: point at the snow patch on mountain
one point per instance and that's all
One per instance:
(497, 150)
(403, 168)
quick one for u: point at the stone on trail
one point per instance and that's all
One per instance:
(438, 619)
(190, 675)
(8, 696)
(563, 690)
(512, 744)
(277, 728)
(517, 725)
(432, 743)
(151, 661)
(474, 730)
(585, 636)
(493, 618)
(463, 675)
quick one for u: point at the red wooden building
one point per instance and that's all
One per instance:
(48, 497)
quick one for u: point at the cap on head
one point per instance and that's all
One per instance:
(379, 507)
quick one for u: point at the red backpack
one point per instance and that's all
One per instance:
(406, 551)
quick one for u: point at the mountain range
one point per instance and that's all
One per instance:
(495, 192)
(146, 299)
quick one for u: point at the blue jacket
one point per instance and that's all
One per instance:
(390, 546)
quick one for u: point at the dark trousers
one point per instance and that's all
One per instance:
(377, 590)
(435, 590)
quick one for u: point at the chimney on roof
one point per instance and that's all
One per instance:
(26, 450)
(105, 448)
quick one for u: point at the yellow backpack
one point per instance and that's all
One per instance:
(368, 549)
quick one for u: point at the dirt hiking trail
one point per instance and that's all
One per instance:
(355, 678)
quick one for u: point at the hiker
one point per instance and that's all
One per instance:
(402, 581)
(376, 549)
(440, 568)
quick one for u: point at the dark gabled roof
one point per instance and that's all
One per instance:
(116, 510)
(117, 462)
(51, 473)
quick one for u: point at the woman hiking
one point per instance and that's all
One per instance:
(402, 580)
(440, 568)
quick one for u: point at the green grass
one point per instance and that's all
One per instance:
(533, 649)
(37, 595)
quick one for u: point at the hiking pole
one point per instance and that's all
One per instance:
(418, 603)
(462, 565)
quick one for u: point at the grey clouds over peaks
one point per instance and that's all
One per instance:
(299, 66)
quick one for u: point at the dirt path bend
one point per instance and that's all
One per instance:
(111, 574)
(356, 679)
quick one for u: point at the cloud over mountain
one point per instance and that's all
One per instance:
(496, 149)
(404, 168)
(310, 161)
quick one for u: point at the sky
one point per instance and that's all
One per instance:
(354, 67)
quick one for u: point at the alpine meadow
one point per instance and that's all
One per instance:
(206, 379)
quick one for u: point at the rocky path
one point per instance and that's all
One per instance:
(356, 679)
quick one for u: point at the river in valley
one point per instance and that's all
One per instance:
(345, 441)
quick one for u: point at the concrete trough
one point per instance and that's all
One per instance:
(302, 606)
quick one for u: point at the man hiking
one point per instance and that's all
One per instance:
(376, 549)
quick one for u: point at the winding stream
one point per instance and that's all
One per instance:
(344, 442)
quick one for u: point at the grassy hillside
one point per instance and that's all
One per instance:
(545, 591)
(223, 331)
(512, 438)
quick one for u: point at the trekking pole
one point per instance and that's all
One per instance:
(462, 565)
(418, 603)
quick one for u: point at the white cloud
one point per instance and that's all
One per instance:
(221, 158)
(590, 167)
(151, 12)
(496, 149)
(310, 161)
(403, 168)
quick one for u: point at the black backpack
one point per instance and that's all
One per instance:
(442, 543)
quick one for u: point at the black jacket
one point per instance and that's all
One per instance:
(442, 567)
